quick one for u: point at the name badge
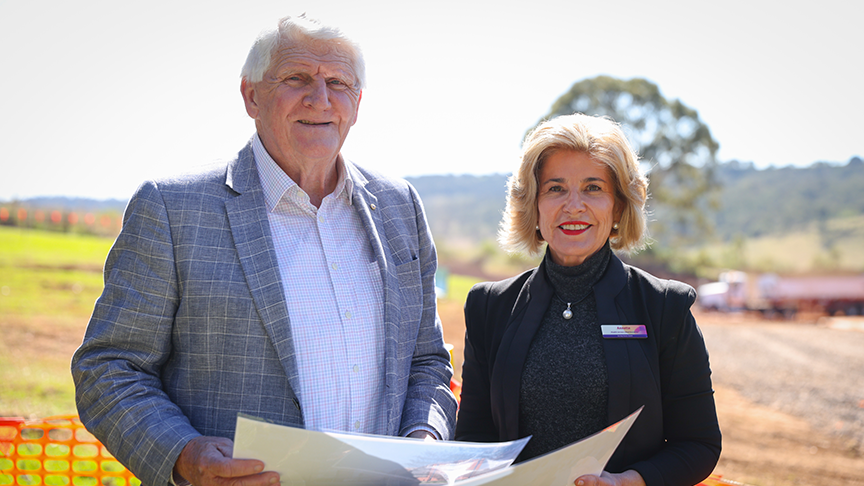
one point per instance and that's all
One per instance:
(624, 331)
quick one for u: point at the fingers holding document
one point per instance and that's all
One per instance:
(207, 461)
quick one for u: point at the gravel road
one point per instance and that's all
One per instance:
(804, 369)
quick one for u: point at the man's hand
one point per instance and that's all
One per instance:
(422, 434)
(206, 461)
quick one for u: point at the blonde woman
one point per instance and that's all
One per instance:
(583, 340)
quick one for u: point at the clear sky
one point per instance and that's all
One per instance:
(100, 95)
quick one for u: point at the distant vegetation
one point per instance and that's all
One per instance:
(778, 201)
(789, 220)
(64, 214)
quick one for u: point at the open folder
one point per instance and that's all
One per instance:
(305, 457)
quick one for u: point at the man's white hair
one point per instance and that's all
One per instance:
(301, 30)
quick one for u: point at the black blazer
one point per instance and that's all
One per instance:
(675, 440)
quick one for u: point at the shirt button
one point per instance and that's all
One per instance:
(373, 207)
(348, 314)
(357, 425)
(335, 266)
(321, 218)
(356, 368)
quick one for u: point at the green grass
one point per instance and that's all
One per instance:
(458, 287)
(45, 273)
(47, 291)
(48, 284)
(37, 388)
(35, 247)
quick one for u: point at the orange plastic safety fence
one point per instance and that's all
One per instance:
(56, 451)
(717, 480)
(456, 388)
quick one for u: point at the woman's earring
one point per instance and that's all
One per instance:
(615, 226)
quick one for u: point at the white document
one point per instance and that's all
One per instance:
(304, 457)
(561, 467)
(307, 458)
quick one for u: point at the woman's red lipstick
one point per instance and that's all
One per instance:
(573, 228)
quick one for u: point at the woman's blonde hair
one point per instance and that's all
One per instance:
(603, 140)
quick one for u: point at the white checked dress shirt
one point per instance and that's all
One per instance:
(334, 293)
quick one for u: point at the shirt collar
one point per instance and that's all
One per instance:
(276, 183)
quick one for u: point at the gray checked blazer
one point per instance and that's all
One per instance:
(192, 326)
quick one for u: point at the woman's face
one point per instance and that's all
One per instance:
(576, 205)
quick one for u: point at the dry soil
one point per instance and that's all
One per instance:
(790, 396)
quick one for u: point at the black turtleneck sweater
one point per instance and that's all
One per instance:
(563, 397)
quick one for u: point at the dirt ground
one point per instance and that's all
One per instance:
(812, 436)
(768, 441)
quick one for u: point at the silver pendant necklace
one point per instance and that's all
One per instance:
(567, 314)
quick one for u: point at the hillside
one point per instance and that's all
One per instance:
(778, 200)
(464, 208)
(753, 202)
(776, 219)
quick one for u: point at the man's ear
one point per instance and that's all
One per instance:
(247, 89)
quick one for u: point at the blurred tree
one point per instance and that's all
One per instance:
(677, 148)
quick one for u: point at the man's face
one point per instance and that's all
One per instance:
(305, 104)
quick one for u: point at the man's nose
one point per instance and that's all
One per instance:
(318, 96)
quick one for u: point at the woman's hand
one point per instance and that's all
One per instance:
(627, 478)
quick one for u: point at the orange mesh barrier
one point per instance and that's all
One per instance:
(456, 388)
(717, 480)
(56, 451)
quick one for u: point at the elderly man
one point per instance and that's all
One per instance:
(291, 285)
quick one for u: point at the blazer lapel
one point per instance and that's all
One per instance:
(250, 228)
(606, 293)
(525, 319)
(366, 204)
